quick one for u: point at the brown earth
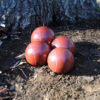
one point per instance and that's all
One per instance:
(26, 82)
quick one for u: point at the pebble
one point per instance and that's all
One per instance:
(0, 72)
(52, 73)
(18, 87)
(2, 25)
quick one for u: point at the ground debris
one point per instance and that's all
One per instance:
(15, 65)
(26, 82)
(18, 63)
(1, 42)
(20, 56)
(4, 90)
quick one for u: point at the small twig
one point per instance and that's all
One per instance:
(23, 73)
(22, 62)
(20, 56)
(15, 65)
(18, 63)
(4, 90)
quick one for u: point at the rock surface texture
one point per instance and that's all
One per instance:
(19, 14)
(76, 10)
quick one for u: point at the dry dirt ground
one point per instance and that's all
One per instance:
(21, 81)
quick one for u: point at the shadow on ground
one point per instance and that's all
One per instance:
(83, 25)
(87, 63)
(87, 59)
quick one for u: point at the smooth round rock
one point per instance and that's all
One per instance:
(65, 42)
(36, 53)
(60, 60)
(42, 34)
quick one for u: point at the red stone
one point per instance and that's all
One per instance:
(42, 34)
(60, 60)
(36, 53)
(65, 42)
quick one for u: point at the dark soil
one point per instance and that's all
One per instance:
(26, 82)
